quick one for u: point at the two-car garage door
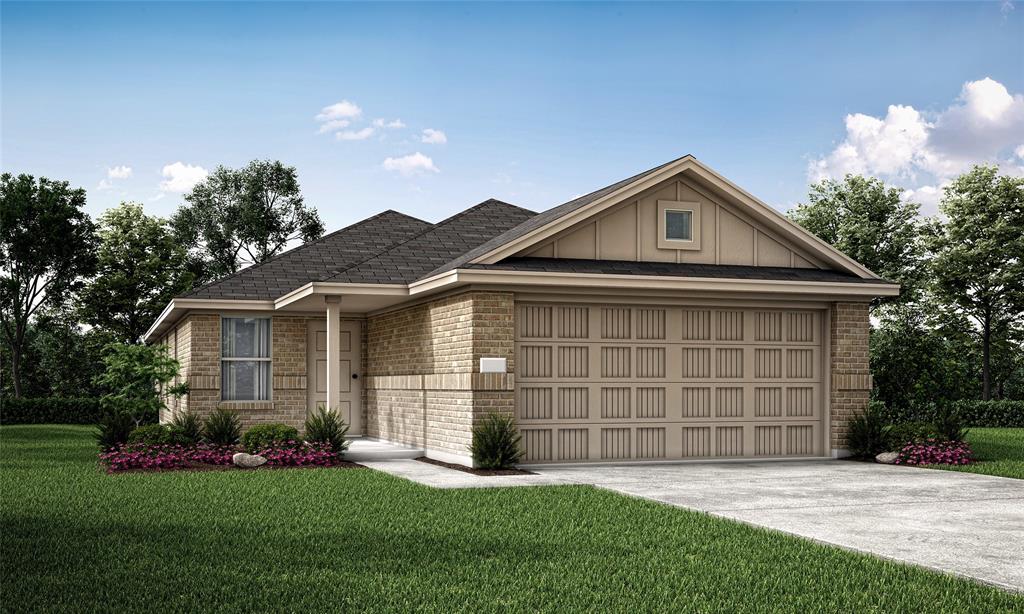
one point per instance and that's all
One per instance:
(638, 382)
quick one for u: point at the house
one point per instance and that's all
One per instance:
(668, 316)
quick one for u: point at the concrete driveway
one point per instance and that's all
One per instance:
(971, 525)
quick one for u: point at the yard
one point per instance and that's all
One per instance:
(75, 538)
(998, 451)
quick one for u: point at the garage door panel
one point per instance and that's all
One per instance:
(619, 382)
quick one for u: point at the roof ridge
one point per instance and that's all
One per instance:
(298, 248)
(436, 226)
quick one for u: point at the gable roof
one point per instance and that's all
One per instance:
(537, 229)
(315, 260)
(434, 247)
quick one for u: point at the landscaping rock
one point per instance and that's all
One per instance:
(247, 461)
(886, 458)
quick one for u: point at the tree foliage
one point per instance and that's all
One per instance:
(47, 246)
(869, 222)
(978, 263)
(237, 217)
(134, 377)
(141, 266)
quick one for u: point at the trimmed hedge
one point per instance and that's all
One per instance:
(50, 410)
(983, 414)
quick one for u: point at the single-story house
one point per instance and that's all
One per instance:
(667, 316)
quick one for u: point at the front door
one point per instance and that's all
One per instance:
(351, 389)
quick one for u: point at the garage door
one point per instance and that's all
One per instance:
(612, 382)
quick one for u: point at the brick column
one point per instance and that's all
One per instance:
(851, 377)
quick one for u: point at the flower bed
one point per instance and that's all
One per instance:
(935, 452)
(164, 457)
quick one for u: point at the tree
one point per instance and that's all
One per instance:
(141, 266)
(239, 217)
(978, 266)
(869, 222)
(135, 377)
(47, 245)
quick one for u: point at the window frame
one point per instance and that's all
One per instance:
(268, 359)
(693, 208)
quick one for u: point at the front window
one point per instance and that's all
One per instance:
(678, 225)
(245, 359)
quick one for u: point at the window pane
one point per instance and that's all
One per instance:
(245, 338)
(677, 225)
(245, 380)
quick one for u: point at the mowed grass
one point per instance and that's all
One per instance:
(998, 451)
(311, 540)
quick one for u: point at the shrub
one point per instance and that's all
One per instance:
(899, 435)
(264, 436)
(326, 427)
(994, 414)
(301, 455)
(948, 423)
(133, 376)
(50, 410)
(113, 429)
(496, 442)
(222, 427)
(159, 434)
(189, 424)
(867, 431)
(935, 452)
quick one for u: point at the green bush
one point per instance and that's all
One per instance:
(222, 427)
(496, 442)
(113, 429)
(987, 414)
(264, 436)
(325, 426)
(899, 435)
(50, 410)
(189, 423)
(949, 423)
(867, 431)
(159, 434)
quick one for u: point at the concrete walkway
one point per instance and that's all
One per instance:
(962, 523)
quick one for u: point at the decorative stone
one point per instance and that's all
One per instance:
(247, 461)
(887, 458)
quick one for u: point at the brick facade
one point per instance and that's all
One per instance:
(423, 382)
(850, 373)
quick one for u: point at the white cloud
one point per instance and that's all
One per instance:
(435, 137)
(411, 164)
(180, 177)
(339, 110)
(334, 124)
(119, 172)
(104, 184)
(920, 150)
(393, 124)
(354, 135)
(1019, 152)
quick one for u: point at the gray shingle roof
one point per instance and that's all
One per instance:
(670, 269)
(419, 255)
(542, 219)
(316, 260)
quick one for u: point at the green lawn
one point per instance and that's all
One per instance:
(999, 452)
(76, 539)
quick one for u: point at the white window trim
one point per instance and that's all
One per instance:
(223, 358)
(664, 206)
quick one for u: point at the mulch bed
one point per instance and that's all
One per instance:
(200, 467)
(485, 472)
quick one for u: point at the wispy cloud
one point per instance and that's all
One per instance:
(180, 177)
(114, 173)
(391, 125)
(411, 164)
(339, 110)
(434, 137)
(354, 135)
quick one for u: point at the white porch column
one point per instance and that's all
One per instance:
(333, 352)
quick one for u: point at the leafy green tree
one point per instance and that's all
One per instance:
(978, 263)
(134, 377)
(869, 222)
(141, 266)
(235, 218)
(47, 247)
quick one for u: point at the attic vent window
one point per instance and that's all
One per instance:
(679, 225)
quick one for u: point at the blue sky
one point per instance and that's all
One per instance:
(536, 103)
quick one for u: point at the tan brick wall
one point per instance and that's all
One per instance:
(423, 383)
(850, 373)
